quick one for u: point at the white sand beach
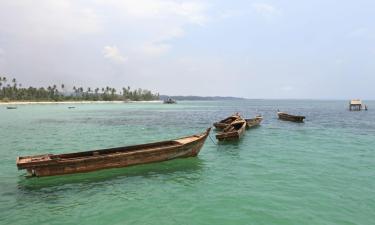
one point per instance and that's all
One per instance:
(77, 102)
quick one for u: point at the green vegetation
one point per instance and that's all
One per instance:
(13, 91)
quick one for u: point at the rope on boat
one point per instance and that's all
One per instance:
(212, 139)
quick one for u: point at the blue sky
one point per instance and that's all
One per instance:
(256, 49)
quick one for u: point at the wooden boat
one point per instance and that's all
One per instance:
(225, 122)
(11, 107)
(50, 164)
(254, 121)
(288, 117)
(234, 131)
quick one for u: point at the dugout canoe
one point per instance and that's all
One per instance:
(225, 122)
(79, 162)
(289, 117)
(234, 131)
(253, 122)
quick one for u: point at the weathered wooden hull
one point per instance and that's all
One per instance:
(292, 118)
(112, 158)
(253, 122)
(225, 122)
(220, 126)
(232, 135)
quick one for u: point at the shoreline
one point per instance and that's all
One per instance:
(75, 102)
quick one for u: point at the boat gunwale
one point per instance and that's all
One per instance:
(290, 115)
(57, 160)
(224, 122)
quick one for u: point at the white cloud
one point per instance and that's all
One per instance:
(230, 13)
(114, 54)
(160, 20)
(191, 11)
(266, 10)
(63, 18)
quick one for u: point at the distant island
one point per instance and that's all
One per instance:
(199, 98)
(13, 91)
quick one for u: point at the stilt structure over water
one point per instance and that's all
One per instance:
(356, 105)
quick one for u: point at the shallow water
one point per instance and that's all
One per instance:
(318, 172)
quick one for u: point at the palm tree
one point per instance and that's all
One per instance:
(14, 81)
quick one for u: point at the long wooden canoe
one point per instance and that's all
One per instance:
(50, 164)
(253, 122)
(225, 122)
(288, 117)
(234, 131)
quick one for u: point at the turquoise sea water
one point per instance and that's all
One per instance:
(318, 172)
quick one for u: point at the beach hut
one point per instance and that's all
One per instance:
(355, 105)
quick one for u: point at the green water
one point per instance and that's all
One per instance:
(318, 172)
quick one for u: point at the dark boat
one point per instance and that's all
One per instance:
(254, 121)
(50, 164)
(11, 107)
(225, 122)
(169, 101)
(234, 131)
(71, 107)
(288, 117)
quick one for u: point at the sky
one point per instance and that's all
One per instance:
(316, 49)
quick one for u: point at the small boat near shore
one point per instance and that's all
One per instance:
(289, 117)
(11, 107)
(169, 101)
(234, 131)
(79, 162)
(253, 122)
(225, 122)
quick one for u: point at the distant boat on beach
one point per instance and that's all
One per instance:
(169, 101)
(78, 162)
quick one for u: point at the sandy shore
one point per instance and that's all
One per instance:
(76, 102)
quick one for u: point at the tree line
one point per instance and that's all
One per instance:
(12, 90)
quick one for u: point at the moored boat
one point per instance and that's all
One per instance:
(11, 107)
(225, 122)
(60, 164)
(234, 131)
(253, 122)
(289, 117)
